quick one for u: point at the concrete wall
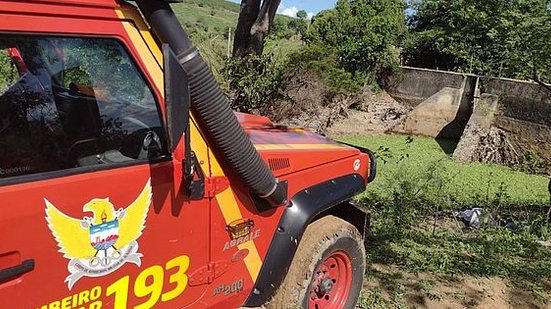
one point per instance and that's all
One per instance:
(520, 100)
(443, 104)
(524, 112)
(479, 125)
(440, 100)
(416, 85)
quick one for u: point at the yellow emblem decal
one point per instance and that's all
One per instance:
(103, 243)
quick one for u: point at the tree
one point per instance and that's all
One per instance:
(253, 25)
(365, 35)
(488, 37)
(302, 15)
(300, 24)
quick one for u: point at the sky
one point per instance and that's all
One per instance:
(291, 7)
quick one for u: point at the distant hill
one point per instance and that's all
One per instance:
(209, 21)
(213, 16)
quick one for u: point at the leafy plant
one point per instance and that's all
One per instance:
(363, 35)
(533, 164)
(324, 63)
(498, 38)
(258, 83)
(8, 72)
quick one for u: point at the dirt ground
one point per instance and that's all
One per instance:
(378, 114)
(395, 287)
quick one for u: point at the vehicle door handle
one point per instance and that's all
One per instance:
(11, 273)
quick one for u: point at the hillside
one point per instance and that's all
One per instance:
(209, 16)
(209, 22)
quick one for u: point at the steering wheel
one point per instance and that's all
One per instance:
(151, 142)
(74, 152)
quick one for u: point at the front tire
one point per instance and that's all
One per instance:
(327, 270)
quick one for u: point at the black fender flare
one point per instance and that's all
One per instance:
(304, 207)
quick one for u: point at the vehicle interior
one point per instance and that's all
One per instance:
(56, 113)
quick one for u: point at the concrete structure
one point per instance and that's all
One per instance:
(440, 100)
(479, 125)
(448, 104)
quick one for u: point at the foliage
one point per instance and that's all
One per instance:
(102, 65)
(208, 24)
(281, 28)
(324, 63)
(215, 5)
(497, 37)
(285, 27)
(8, 72)
(363, 35)
(212, 17)
(532, 163)
(257, 83)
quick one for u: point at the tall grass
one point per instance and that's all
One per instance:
(472, 184)
(413, 230)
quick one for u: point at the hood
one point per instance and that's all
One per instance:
(288, 150)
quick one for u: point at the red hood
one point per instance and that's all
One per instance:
(289, 150)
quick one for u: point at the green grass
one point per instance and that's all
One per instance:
(449, 257)
(208, 23)
(466, 184)
(413, 231)
(282, 48)
(212, 16)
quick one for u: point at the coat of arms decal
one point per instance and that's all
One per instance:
(101, 244)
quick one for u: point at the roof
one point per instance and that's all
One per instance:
(92, 3)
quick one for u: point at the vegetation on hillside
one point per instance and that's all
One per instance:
(208, 23)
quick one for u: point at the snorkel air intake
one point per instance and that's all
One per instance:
(210, 106)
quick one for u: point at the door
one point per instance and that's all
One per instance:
(91, 213)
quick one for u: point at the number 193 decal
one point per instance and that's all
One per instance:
(154, 291)
(148, 285)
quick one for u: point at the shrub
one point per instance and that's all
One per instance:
(364, 35)
(324, 63)
(258, 83)
(532, 163)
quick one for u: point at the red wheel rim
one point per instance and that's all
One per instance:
(331, 282)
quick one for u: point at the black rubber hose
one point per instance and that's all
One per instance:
(214, 113)
(211, 108)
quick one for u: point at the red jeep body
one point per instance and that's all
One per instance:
(153, 246)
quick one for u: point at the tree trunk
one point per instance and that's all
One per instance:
(549, 211)
(253, 26)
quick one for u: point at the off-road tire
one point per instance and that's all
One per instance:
(323, 238)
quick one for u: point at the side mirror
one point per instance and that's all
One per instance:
(177, 97)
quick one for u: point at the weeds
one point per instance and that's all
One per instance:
(413, 229)
(532, 163)
(372, 299)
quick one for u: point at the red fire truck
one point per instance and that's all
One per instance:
(126, 181)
